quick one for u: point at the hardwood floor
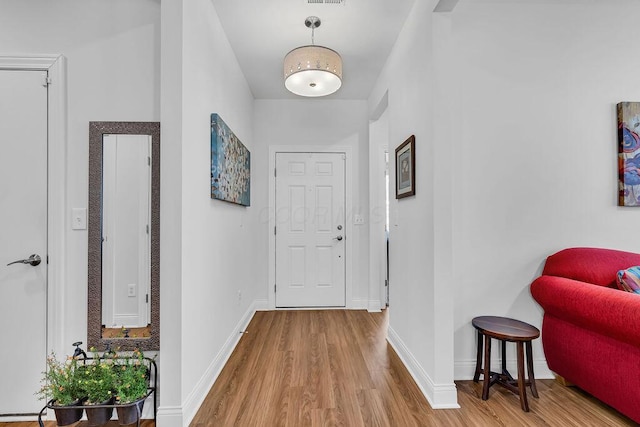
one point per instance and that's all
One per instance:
(143, 423)
(335, 368)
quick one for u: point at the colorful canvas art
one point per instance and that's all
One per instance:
(230, 165)
(629, 154)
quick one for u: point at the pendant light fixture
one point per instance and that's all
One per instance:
(312, 70)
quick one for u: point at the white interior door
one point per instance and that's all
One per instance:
(23, 232)
(310, 230)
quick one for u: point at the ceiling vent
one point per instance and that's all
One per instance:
(325, 1)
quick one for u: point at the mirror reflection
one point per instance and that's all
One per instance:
(123, 234)
(126, 238)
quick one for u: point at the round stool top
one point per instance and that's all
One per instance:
(504, 328)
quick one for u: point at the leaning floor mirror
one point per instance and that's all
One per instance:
(124, 235)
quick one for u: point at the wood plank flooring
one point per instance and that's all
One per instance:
(143, 423)
(335, 368)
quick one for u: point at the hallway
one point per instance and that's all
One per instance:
(302, 368)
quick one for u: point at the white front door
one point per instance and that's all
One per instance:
(310, 230)
(23, 232)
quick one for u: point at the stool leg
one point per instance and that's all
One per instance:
(476, 377)
(487, 368)
(504, 357)
(521, 379)
(532, 378)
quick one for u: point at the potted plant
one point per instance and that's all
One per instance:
(60, 387)
(97, 381)
(131, 387)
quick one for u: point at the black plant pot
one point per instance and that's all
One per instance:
(101, 415)
(130, 413)
(68, 414)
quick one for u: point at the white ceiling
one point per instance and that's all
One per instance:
(261, 32)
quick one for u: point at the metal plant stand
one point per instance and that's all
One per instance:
(151, 389)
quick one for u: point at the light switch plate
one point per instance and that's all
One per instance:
(79, 218)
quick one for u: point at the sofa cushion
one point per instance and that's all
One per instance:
(591, 265)
(629, 279)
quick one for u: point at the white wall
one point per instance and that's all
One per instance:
(516, 158)
(112, 50)
(536, 85)
(326, 123)
(210, 249)
(420, 319)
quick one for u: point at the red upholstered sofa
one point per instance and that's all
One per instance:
(590, 329)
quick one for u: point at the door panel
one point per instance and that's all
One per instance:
(310, 226)
(23, 231)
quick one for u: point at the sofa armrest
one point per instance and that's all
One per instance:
(607, 311)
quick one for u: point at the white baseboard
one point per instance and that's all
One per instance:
(261, 305)
(169, 416)
(358, 304)
(374, 306)
(193, 401)
(23, 418)
(464, 369)
(440, 396)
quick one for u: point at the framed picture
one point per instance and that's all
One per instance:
(406, 168)
(230, 165)
(629, 154)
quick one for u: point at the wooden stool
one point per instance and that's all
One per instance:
(505, 329)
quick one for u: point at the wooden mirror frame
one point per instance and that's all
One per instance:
(94, 221)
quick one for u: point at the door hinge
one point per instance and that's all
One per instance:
(147, 228)
(47, 259)
(275, 172)
(274, 231)
(275, 289)
(148, 161)
(146, 298)
(47, 81)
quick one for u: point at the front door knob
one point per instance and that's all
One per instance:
(338, 238)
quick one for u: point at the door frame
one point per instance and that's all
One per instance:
(55, 66)
(270, 214)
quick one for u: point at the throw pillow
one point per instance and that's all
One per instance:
(629, 279)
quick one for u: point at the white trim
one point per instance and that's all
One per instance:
(440, 396)
(374, 306)
(358, 304)
(465, 368)
(194, 400)
(28, 61)
(261, 304)
(170, 416)
(378, 146)
(55, 65)
(348, 152)
(57, 202)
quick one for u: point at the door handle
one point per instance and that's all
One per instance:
(338, 238)
(33, 260)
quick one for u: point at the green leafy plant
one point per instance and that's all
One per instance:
(132, 377)
(60, 381)
(97, 379)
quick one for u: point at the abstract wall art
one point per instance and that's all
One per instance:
(230, 165)
(629, 154)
